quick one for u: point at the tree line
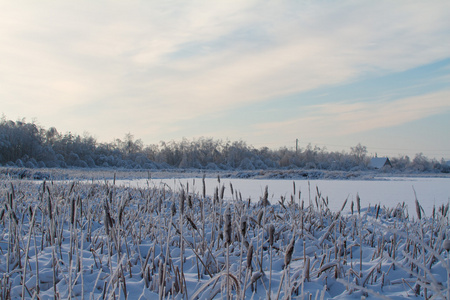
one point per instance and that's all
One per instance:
(26, 144)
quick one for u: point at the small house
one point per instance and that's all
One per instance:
(379, 163)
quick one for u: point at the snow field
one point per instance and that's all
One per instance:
(387, 191)
(80, 240)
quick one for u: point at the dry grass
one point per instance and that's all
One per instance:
(156, 236)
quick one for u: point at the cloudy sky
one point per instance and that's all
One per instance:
(329, 73)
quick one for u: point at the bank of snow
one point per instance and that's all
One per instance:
(99, 240)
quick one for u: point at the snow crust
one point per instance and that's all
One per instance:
(144, 240)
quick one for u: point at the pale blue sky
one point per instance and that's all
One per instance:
(330, 73)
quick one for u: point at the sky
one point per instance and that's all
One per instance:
(328, 73)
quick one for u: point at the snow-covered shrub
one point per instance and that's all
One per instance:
(80, 163)
(19, 163)
(89, 161)
(211, 166)
(259, 164)
(29, 164)
(246, 164)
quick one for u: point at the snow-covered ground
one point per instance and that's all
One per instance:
(384, 191)
(152, 239)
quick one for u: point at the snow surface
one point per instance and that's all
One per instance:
(149, 240)
(387, 191)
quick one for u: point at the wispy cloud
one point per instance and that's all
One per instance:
(141, 66)
(340, 119)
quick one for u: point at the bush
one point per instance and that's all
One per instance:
(211, 166)
(30, 165)
(246, 164)
(19, 163)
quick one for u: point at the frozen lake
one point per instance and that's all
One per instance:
(387, 191)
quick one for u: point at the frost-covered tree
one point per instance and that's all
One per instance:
(359, 152)
(29, 145)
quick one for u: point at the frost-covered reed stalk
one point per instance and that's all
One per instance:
(287, 261)
(243, 232)
(181, 217)
(202, 203)
(24, 272)
(37, 263)
(259, 241)
(271, 240)
(248, 268)
(419, 217)
(163, 264)
(216, 223)
(72, 242)
(446, 246)
(81, 264)
(227, 238)
(262, 240)
(11, 216)
(358, 207)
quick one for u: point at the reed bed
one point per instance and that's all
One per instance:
(96, 240)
